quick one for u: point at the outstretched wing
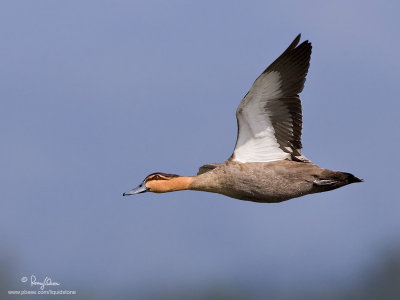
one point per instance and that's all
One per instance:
(269, 117)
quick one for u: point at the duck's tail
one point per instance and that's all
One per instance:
(330, 180)
(350, 178)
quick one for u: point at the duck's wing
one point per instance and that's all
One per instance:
(269, 117)
(208, 167)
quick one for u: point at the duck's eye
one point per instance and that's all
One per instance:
(160, 176)
(154, 177)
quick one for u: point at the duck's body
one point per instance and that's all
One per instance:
(267, 164)
(269, 182)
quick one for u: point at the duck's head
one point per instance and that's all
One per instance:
(161, 183)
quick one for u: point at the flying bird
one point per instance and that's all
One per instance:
(267, 164)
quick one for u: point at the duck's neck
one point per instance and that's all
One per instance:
(202, 182)
(179, 183)
(171, 185)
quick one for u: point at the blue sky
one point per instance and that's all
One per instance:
(95, 95)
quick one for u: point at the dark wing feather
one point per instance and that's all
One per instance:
(208, 167)
(270, 115)
(285, 112)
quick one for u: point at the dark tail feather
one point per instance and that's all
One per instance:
(330, 180)
(351, 178)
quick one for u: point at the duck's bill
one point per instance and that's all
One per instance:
(140, 189)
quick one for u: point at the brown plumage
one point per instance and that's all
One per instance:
(269, 182)
(267, 164)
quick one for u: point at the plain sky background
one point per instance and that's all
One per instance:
(95, 95)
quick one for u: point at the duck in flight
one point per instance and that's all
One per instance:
(267, 164)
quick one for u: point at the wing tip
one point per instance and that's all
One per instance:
(294, 43)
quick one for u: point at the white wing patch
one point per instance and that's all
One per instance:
(256, 140)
